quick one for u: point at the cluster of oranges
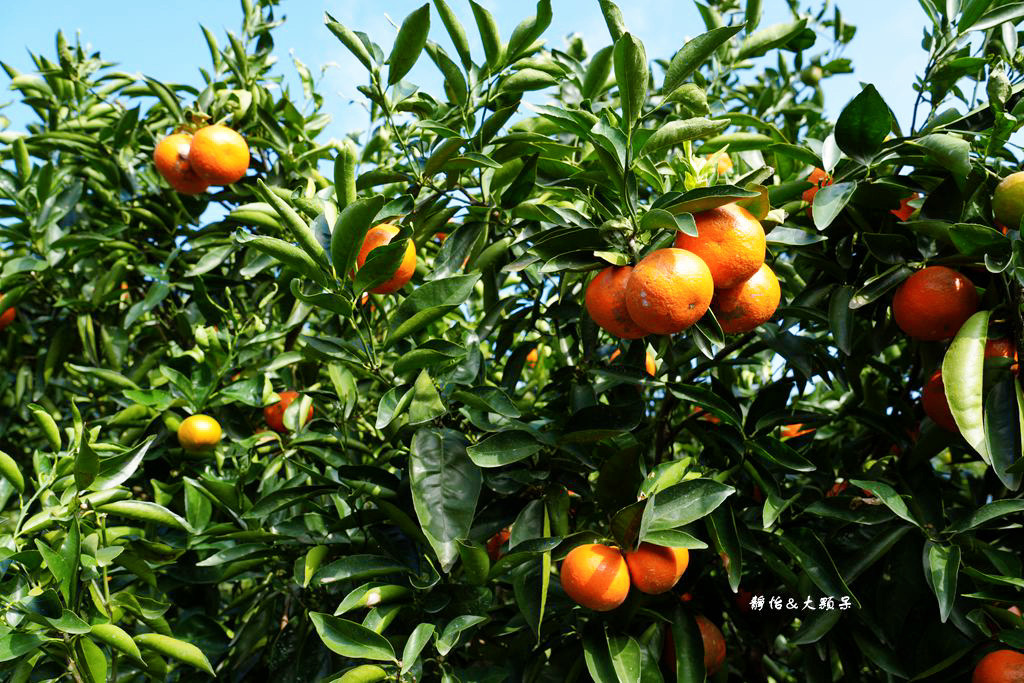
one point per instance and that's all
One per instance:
(670, 289)
(199, 433)
(215, 155)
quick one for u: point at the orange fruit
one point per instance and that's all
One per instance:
(219, 155)
(377, 237)
(819, 179)
(729, 240)
(933, 398)
(649, 363)
(1000, 348)
(1008, 200)
(906, 210)
(933, 303)
(704, 415)
(1001, 666)
(199, 433)
(441, 236)
(837, 488)
(595, 576)
(655, 569)
(531, 358)
(7, 317)
(172, 158)
(273, 414)
(494, 544)
(749, 304)
(714, 646)
(669, 291)
(606, 303)
(794, 430)
(724, 163)
(1014, 610)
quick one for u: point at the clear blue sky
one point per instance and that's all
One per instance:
(163, 40)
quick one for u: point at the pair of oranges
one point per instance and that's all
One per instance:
(670, 289)
(215, 155)
(198, 433)
(599, 576)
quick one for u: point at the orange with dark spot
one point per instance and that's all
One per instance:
(606, 303)
(819, 179)
(933, 303)
(729, 240)
(378, 236)
(933, 398)
(655, 569)
(219, 155)
(172, 158)
(669, 291)
(595, 576)
(749, 304)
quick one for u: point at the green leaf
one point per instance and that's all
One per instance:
(962, 377)
(358, 568)
(450, 635)
(758, 43)
(117, 638)
(285, 253)
(995, 17)
(350, 230)
(349, 40)
(596, 77)
(175, 649)
(1002, 424)
(677, 132)
(986, 513)
(632, 75)
(489, 36)
(809, 552)
(409, 44)
(529, 30)
(840, 318)
(426, 404)
(693, 54)
(613, 19)
(950, 152)
(830, 201)
(117, 469)
(682, 504)
(445, 486)
(428, 303)
(145, 511)
(722, 526)
(702, 199)
(349, 639)
(687, 645)
(455, 32)
(381, 265)
(11, 472)
(14, 645)
(863, 125)
(944, 564)
(504, 448)
(888, 496)
(415, 644)
(297, 226)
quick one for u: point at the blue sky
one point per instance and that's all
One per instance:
(163, 40)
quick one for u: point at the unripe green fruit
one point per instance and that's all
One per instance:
(811, 75)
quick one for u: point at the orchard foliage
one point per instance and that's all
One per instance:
(793, 461)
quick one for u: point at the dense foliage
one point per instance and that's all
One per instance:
(355, 546)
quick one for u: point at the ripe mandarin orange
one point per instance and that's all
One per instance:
(494, 544)
(1001, 666)
(377, 237)
(531, 358)
(606, 303)
(669, 291)
(933, 398)
(724, 163)
(819, 179)
(655, 569)
(595, 576)
(729, 240)
(1000, 348)
(794, 430)
(933, 303)
(906, 210)
(649, 363)
(273, 414)
(198, 433)
(219, 155)
(172, 158)
(749, 304)
(7, 317)
(714, 646)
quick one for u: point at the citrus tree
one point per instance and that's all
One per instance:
(590, 367)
